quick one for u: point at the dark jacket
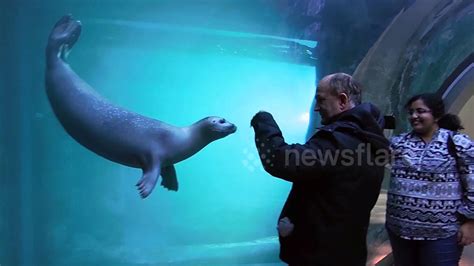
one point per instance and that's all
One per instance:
(329, 202)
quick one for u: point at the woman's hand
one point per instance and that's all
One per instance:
(466, 233)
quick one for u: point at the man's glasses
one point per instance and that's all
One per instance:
(418, 111)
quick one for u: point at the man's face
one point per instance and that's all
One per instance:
(327, 104)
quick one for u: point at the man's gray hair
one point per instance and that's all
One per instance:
(344, 83)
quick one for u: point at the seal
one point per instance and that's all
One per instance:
(114, 133)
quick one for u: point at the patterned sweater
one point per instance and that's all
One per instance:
(431, 188)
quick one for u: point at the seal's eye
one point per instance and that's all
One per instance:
(222, 121)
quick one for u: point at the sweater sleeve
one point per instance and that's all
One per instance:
(465, 164)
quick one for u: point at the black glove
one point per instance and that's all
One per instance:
(258, 116)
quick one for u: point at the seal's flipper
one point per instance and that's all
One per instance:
(148, 181)
(63, 20)
(169, 178)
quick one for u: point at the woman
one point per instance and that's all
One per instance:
(430, 204)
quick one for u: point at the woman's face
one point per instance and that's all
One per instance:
(420, 117)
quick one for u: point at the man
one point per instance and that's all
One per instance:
(336, 176)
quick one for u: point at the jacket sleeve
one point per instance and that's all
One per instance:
(465, 165)
(289, 162)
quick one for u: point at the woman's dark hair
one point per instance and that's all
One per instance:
(436, 105)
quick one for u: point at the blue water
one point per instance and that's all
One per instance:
(80, 209)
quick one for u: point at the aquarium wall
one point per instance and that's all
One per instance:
(12, 138)
(64, 205)
(424, 49)
(178, 62)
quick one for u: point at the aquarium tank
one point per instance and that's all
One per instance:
(179, 61)
(65, 205)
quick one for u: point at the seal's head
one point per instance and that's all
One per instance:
(217, 127)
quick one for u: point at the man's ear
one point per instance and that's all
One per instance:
(344, 101)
